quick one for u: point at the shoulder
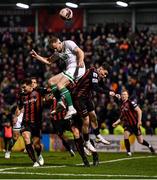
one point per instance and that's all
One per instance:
(133, 103)
(35, 92)
(93, 72)
(69, 43)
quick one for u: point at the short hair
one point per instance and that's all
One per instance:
(33, 78)
(106, 66)
(53, 39)
(125, 90)
(26, 81)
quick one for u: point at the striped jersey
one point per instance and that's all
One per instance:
(32, 104)
(88, 83)
(128, 113)
(60, 114)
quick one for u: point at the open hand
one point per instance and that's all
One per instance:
(33, 54)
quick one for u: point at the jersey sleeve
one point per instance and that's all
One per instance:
(54, 57)
(71, 45)
(133, 103)
(95, 84)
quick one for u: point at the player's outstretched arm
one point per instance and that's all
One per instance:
(40, 58)
(116, 123)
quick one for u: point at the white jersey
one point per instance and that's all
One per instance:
(17, 126)
(72, 71)
(68, 55)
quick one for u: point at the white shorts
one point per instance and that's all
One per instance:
(74, 73)
(17, 126)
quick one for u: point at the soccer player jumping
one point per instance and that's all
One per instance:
(73, 56)
(82, 98)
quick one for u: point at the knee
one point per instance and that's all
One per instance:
(140, 141)
(60, 85)
(76, 133)
(86, 122)
(93, 118)
(26, 139)
(50, 82)
(36, 143)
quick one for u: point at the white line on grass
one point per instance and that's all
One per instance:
(90, 175)
(12, 168)
(124, 159)
(61, 166)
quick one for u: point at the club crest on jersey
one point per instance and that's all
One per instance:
(63, 56)
(95, 74)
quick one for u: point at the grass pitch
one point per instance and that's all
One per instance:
(61, 165)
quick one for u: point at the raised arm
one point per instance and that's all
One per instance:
(116, 123)
(45, 60)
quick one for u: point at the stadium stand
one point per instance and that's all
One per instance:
(131, 55)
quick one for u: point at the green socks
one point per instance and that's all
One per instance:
(65, 92)
(55, 92)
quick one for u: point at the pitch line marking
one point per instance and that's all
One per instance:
(124, 159)
(97, 175)
(60, 166)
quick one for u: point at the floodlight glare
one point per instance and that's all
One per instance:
(122, 3)
(22, 5)
(72, 5)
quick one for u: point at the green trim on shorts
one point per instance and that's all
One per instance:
(17, 129)
(68, 76)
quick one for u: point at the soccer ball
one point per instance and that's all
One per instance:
(66, 14)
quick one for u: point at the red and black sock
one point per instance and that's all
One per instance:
(65, 144)
(96, 131)
(38, 150)
(145, 143)
(127, 144)
(86, 137)
(79, 146)
(30, 152)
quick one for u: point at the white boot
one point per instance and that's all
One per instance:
(89, 146)
(41, 160)
(70, 112)
(99, 138)
(7, 154)
(36, 164)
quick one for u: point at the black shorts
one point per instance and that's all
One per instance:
(83, 106)
(65, 125)
(133, 130)
(34, 129)
(62, 125)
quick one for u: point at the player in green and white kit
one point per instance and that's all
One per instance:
(73, 56)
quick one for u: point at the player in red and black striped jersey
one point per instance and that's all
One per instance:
(131, 116)
(82, 98)
(42, 90)
(31, 103)
(72, 124)
(59, 124)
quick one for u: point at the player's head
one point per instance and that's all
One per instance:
(26, 85)
(34, 82)
(124, 95)
(104, 70)
(55, 43)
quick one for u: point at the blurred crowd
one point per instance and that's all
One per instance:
(132, 56)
